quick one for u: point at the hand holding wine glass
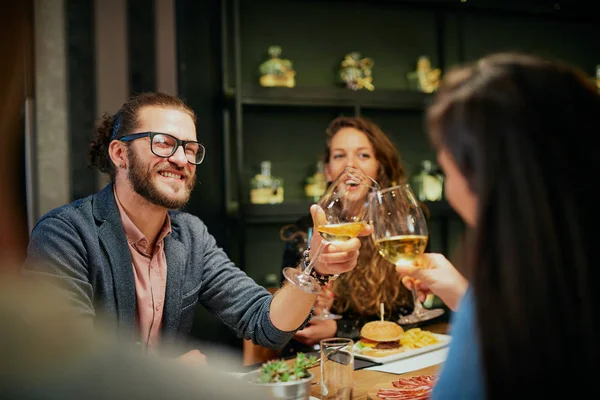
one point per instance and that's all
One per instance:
(340, 217)
(400, 234)
(433, 273)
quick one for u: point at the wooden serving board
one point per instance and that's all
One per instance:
(372, 393)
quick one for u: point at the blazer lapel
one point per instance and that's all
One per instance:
(175, 255)
(113, 240)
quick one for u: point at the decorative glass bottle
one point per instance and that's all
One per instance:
(265, 188)
(428, 183)
(316, 184)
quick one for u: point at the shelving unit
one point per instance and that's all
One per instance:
(331, 97)
(244, 101)
(291, 211)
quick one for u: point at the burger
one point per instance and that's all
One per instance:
(380, 339)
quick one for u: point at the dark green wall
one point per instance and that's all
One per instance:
(81, 93)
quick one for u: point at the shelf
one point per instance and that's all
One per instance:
(289, 212)
(332, 97)
(286, 212)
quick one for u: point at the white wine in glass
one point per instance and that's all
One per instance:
(333, 233)
(402, 249)
(400, 234)
(345, 214)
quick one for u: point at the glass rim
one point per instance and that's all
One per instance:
(339, 340)
(350, 168)
(395, 187)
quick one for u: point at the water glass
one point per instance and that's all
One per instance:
(337, 368)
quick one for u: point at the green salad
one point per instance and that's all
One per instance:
(281, 371)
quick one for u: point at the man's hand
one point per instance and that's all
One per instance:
(193, 358)
(335, 258)
(290, 305)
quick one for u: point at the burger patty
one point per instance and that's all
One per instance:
(388, 345)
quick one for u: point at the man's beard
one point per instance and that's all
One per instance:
(142, 181)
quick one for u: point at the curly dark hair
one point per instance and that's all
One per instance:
(127, 122)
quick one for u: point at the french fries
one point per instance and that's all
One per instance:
(416, 338)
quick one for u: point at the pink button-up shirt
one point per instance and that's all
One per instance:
(150, 273)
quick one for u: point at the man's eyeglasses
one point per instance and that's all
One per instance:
(165, 145)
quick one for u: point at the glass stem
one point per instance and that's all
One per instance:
(418, 307)
(313, 260)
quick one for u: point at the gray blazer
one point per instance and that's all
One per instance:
(82, 246)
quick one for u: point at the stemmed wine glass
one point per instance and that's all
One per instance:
(345, 213)
(325, 314)
(400, 234)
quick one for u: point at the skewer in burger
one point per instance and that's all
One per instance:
(380, 339)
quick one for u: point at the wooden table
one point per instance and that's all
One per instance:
(365, 381)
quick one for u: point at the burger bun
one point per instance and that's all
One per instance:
(381, 331)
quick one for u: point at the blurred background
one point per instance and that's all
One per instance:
(86, 57)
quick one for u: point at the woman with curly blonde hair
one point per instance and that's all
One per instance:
(357, 142)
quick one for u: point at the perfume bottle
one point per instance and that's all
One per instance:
(429, 183)
(265, 188)
(316, 184)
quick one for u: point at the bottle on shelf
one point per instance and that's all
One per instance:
(429, 183)
(266, 188)
(316, 184)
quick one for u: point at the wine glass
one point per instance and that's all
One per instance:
(325, 313)
(345, 213)
(400, 235)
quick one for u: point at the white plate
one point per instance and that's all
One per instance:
(443, 341)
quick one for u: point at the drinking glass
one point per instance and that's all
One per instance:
(337, 368)
(325, 313)
(400, 235)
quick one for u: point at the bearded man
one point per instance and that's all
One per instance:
(127, 254)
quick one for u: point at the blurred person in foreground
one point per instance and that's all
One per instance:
(508, 132)
(128, 254)
(357, 142)
(45, 353)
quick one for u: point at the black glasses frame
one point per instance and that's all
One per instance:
(178, 142)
